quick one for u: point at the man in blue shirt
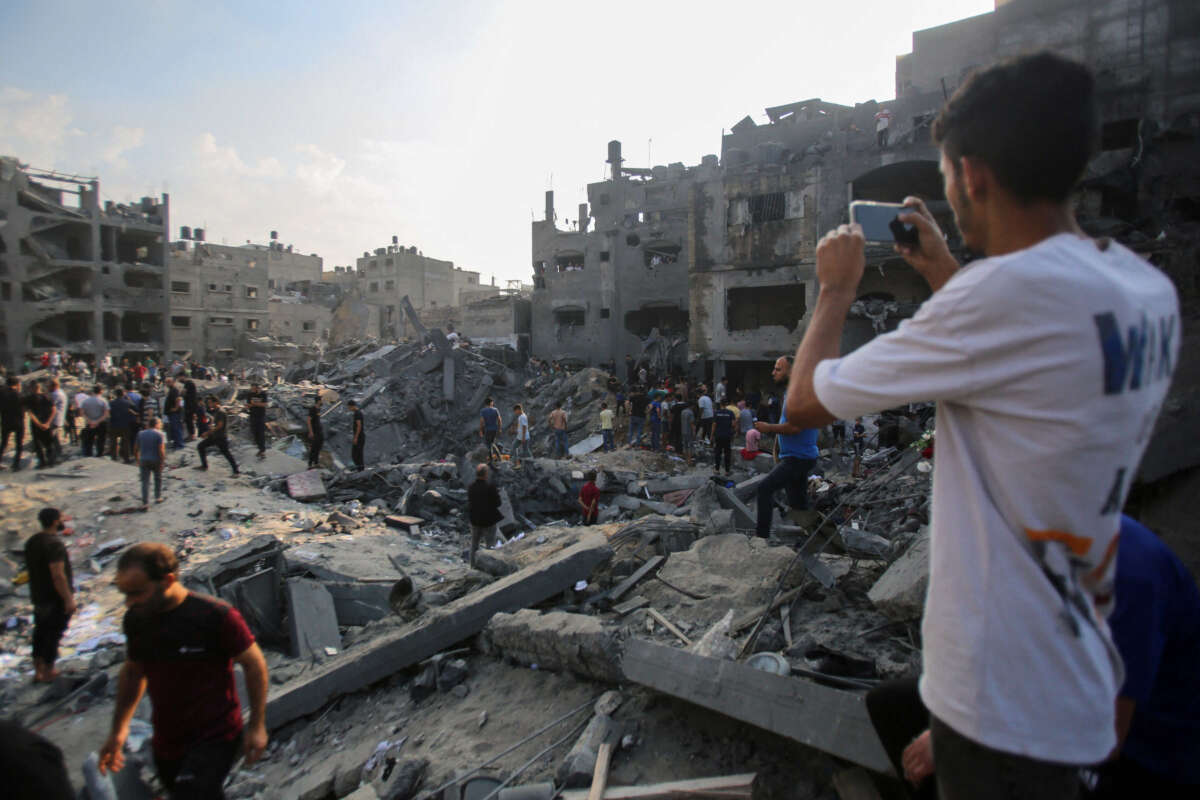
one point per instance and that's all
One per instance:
(489, 427)
(797, 456)
(122, 420)
(655, 422)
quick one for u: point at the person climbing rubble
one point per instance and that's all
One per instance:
(490, 424)
(520, 430)
(316, 434)
(1043, 416)
(358, 435)
(483, 505)
(51, 588)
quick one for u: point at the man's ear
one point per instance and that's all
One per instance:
(978, 180)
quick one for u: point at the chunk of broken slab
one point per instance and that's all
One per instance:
(579, 764)
(437, 631)
(900, 591)
(312, 619)
(306, 486)
(557, 640)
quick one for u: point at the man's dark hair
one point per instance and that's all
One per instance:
(487, 401)
(48, 516)
(98, 389)
(153, 558)
(118, 392)
(1033, 120)
(590, 476)
(352, 403)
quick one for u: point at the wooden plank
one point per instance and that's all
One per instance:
(631, 605)
(640, 573)
(830, 720)
(437, 630)
(666, 623)
(724, 786)
(855, 784)
(600, 775)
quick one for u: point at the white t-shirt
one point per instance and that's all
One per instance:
(522, 428)
(1049, 366)
(59, 398)
(720, 393)
(706, 406)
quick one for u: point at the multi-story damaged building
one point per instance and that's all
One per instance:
(77, 275)
(222, 295)
(721, 256)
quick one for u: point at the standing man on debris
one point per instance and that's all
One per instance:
(483, 508)
(358, 435)
(316, 435)
(191, 406)
(12, 419)
(217, 435)
(1043, 416)
(489, 427)
(724, 429)
(59, 399)
(181, 646)
(637, 415)
(797, 455)
(174, 408)
(122, 425)
(706, 414)
(521, 427)
(256, 401)
(150, 450)
(51, 590)
(41, 426)
(558, 428)
(606, 427)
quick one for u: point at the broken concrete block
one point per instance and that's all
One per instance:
(402, 522)
(900, 591)
(508, 524)
(588, 445)
(257, 598)
(435, 631)
(312, 619)
(609, 702)
(863, 543)
(558, 641)
(743, 518)
(366, 792)
(451, 674)
(716, 642)
(718, 522)
(494, 563)
(359, 603)
(344, 520)
(306, 486)
(425, 683)
(577, 767)
(749, 487)
(406, 779)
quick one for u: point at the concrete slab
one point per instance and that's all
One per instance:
(360, 603)
(588, 445)
(743, 517)
(437, 631)
(312, 619)
(257, 598)
(306, 486)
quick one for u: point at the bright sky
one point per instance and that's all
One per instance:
(341, 124)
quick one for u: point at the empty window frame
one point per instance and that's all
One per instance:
(767, 207)
(570, 316)
(310, 326)
(220, 320)
(251, 324)
(753, 307)
(374, 286)
(229, 288)
(251, 292)
(389, 285)
(181, 322)
(180, 287)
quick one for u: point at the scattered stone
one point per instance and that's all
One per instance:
(451, 674)
(900, 591)
(609, 702)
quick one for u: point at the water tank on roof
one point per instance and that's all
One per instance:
(185, 232)
(147, 204)
(659, 173)
(198, 234)
(614, 152)
(274, 235)
(395, 240)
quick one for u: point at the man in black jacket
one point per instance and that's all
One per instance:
(483, 502)
(12, 418)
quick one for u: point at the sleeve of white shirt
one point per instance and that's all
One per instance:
(923, 359)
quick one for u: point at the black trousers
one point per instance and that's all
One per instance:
(189, 419)
(94, 439)
(314, 449)
(791, 474)
(200, 774)
(17, 431)
(258, 429)
(356, 453)
(899, 716)
(722, 445)
(221, 443)
(43, 446)
(49, 623)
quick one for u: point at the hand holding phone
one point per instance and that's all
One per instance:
(881, 223)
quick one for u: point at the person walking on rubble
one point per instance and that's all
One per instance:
(173, 405)
(797, 456)
(606, 427)
(217, 436)
(181, 647)
(489, 428)
(358, 435)
(316, 434)
(51, 589)
(483, 509)
(257, 403)
(558, 429)
(1042, 418)
(150, 451)
(191, 407)
(725, 426)
(520, 429)
(705, 404)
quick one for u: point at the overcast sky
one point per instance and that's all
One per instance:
(341, 124)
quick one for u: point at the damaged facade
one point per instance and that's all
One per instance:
(721, 255)
(76, 275)
(222, 296)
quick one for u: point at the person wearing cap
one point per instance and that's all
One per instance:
(358, 435)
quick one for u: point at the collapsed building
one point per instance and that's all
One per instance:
(76, 275)
(711, 267)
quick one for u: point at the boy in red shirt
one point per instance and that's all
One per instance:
(589, 499)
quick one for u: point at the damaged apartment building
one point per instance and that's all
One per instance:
(225, 301)
(717, 260)
(76, 274)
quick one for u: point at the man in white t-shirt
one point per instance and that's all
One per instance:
(706, 413)
(521, 427)
(1049, 359)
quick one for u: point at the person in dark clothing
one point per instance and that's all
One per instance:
(147, 409)
(483, 505)
(257, 403)
(629, 369)
(489, 427)
(637, 415)
(181, 647)
(191, 404)
(32, 766)
(217, 436)
(358, 435)
(50, 590)
(724, 428)
(797, 455)
(12, 419)
(173, 406)
(122, 420)
(316, 435)
(41, 423)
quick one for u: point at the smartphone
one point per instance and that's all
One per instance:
(880, 223)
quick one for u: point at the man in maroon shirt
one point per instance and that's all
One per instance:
(589, 499)
(181, 646)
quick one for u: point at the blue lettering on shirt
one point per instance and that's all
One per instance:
(1145, 355)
